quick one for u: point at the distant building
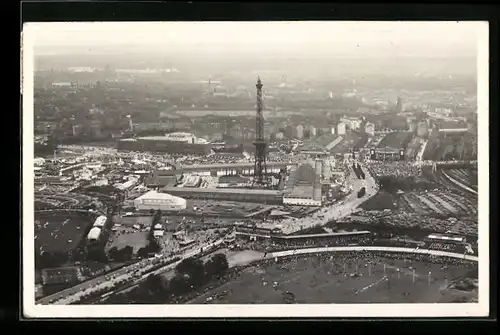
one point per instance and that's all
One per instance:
(280, 136)
(341, 128)
(412, 126)
(399, 105)
(303, 187)
(313, 131)
(290, 131)
(62, 84)
(443, 111)
(352, 123)
(300, 131)
(370, 128)
(174, 143)
(423, 129)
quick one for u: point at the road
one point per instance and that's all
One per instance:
(142, 268)
(338, 210)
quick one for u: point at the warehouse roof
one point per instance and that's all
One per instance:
(223, 190)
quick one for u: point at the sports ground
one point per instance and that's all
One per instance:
(60, 232)
(325, 279)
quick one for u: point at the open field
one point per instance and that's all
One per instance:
(135, 239)
(60, 232)
(395, 140)
(316, 279)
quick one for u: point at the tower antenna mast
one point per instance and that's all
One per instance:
(260, 143)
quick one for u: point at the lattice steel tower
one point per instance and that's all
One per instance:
(260, 143)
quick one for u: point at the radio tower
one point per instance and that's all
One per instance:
(260, 143)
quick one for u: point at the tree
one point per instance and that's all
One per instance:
(193, 268)
(113, 252)
(127, 252)
(217, 265)
(143, 252)
(155, 283)
(179, 284)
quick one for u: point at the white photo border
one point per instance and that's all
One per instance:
(31, 310)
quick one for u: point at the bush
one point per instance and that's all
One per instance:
(216, 266)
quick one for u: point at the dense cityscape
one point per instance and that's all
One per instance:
(159, 183)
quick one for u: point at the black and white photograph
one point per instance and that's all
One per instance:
(255, 169)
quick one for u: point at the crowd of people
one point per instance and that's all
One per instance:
(274, 245)
(397, 169)
(402, 219)
(337, 262)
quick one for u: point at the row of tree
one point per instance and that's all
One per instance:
(153, 246)
(190, 275)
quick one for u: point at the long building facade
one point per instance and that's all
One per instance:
(227, 194)
(164, 144)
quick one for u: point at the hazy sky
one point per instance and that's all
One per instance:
(376, 39)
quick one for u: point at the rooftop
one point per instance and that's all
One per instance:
(157, 195)
(222, 190)
(230, 166)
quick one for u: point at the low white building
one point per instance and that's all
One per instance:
(128, 184)
(341, 128)
(94, 234)
(162, 201)
(300, 131)
(100, 221)
(370, 128)
(352, 123)
(313, 131)
(158, 233)
(39, 161)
